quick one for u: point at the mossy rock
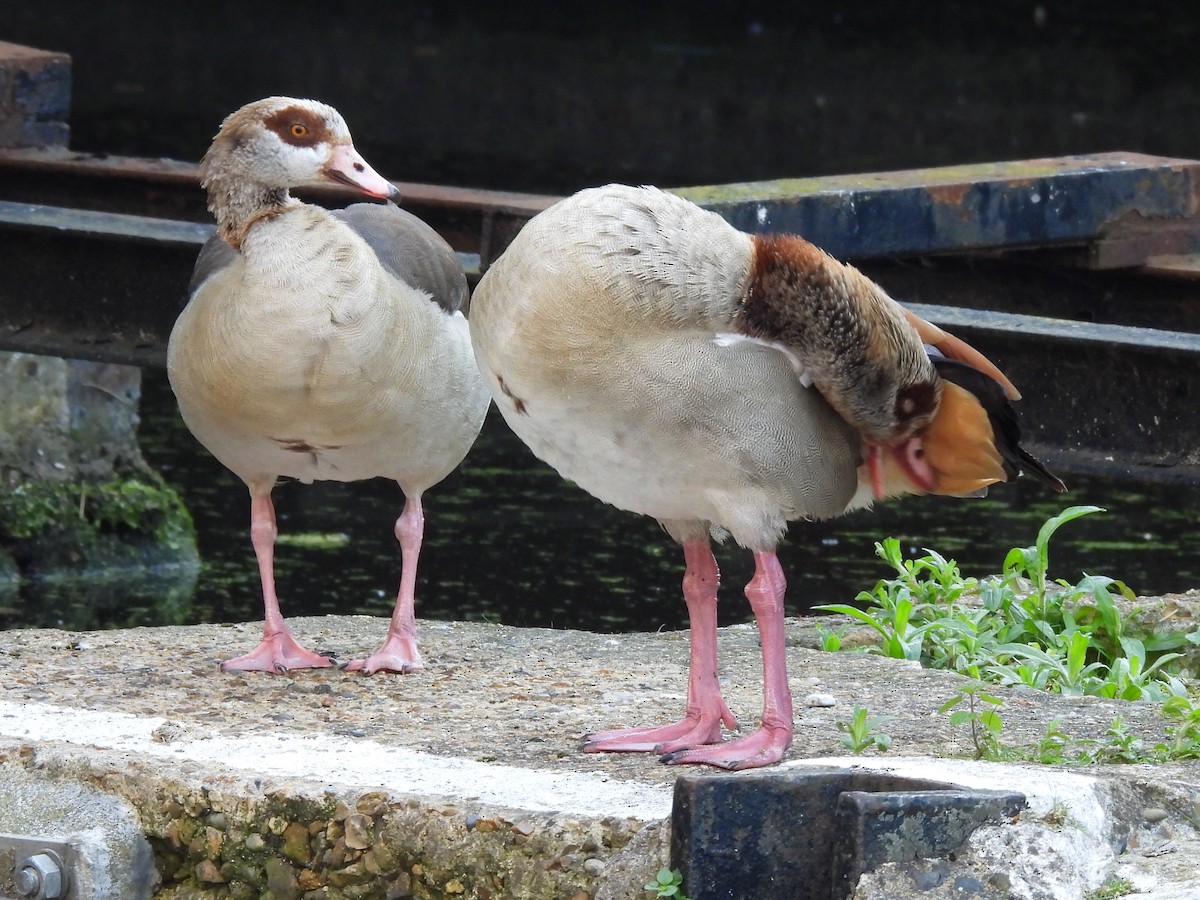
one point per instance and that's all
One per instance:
(85, 552)
(141, 505)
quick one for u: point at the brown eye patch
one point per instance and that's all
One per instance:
(298, 126)
(915, 401)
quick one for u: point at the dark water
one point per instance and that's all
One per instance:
(508, 541)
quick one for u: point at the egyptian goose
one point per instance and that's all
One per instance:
(726, 383)
(322, 345)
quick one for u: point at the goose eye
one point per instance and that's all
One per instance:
(298, 130)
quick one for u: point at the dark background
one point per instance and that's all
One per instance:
(554, 97)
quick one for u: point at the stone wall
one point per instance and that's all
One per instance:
(77, 500)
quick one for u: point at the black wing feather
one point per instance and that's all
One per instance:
(1003, 418)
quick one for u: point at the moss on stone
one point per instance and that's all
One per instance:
(142, 503)
(138, 520)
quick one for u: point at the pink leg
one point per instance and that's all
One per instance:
(399, 651)
(279, 650)
(767, 743)
(706, 711)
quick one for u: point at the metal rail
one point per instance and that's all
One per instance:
(103, 273)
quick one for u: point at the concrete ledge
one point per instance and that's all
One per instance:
(463, 780)
(110, 856)
(294, 814)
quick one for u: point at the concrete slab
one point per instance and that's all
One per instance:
(464, 781)
(329, 760)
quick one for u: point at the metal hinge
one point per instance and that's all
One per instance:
(34, 868)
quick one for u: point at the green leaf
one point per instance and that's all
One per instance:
(1077, 654)
(991, 719)
(1020, 559)
(951, 703)
(1054, 523)
(854, 612)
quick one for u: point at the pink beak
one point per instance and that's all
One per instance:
(874, 454)
(347, 167)
(910, 460)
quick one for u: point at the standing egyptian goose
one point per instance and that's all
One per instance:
(322, 345)
(717, 381)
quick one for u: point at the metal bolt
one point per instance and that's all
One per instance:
(39, 878)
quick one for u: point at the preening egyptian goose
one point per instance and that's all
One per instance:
(322, 345)
(717, 381)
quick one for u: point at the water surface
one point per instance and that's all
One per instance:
(507, 540)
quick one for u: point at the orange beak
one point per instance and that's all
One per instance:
(954, 455)
(960, 446)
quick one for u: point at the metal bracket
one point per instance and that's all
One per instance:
(812, 832)
(35, 868)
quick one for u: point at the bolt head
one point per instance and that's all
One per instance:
(39, 878)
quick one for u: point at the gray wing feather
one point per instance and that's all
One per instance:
(214, 256)
(411, 251)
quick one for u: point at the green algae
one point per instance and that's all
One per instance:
(142, 504)
(314, 540)
(128, 536)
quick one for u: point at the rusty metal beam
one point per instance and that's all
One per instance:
(105, 286)
(97, 285)
(59, 162)
(1106, 210)
(1125, 207)
(469, 219)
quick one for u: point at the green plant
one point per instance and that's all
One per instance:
(1132, 677)
(859, 733)
(1034, 562)
(1062, 662)
(985, 722)
(1058, 815)
(1120, 745)
(668, 883)
(1183, 737)
(1016, 628)
(892, 605)
(1052, 748)
(831, 640)
(1113, 888)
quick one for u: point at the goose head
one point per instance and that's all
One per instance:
(268, 147)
